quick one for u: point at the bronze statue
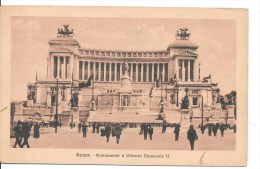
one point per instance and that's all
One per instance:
(65, 31)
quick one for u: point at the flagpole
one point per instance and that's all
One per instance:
(56, 115)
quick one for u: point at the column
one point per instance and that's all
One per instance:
(147, 72)
(110, 71)
(83, 70)
(152, 72)
(94, 70)
(58, 67)
(120, 71)
(142, 72)
(177, 70)
(63, 67)
(183, 71)
(195, 73)
(163, 72)
(51, 67)
(131, 74)
(188, 71)
(88, 69)
(99, 71)
(158, 71)
(115, 72)
(136, 72)
(105, 71)
(69, 69)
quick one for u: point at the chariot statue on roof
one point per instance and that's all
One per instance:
(182, 34)
(65, 31)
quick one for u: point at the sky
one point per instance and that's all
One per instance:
(30, 35)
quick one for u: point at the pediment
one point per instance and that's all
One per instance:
(61, 50)
(186, 53)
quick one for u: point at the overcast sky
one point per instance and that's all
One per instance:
(30, 35)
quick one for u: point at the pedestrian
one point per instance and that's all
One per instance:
(215, 130)
(93, 127)
(84, 130)
(164, 127)
(98, 125)
(18, 134)
(141, 129)
(177, 132)
(150, 132)
(79, 127)
(209, 130)
(36, 130)
(145, 130)
(71, 125)
(222, 129)
(192, 136)
(118, 131)
(26, 134)
(235, 128)
(108, 131)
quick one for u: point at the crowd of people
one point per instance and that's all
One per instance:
(22, 131)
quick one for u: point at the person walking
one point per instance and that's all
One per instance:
(18, 134)
(26, 134)
(141, 129)
(150, 132)
(108, 131)
(93, 127)
(176, 132)
(84, 130)
(164, 127)
(222, 129)
(192, 136)
(145, 130)
(98, 125)
(209, 130)
(79, 127)
(118, 131)
(36, 130)
(215, 130)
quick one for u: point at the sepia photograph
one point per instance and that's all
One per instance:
(123, 83)
(125, 88)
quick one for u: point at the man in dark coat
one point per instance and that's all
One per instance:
(118, 131)
(145, 131)
(164, 125)
(176, 132)
(150, 131)
(93, 127)
(192, 136)
(141, 129)
(215, 130)
(36, 130)
(209, 130)
(108, 131)
(84, 130)
(18, 134)
(79, 127)
(98, 125)
(222, 129)
(26, 134)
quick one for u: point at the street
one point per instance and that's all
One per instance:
(130, 139)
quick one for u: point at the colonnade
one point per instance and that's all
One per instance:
(60, 67)
(110, 71)
(186, 70)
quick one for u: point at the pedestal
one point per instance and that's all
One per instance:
(29, 102)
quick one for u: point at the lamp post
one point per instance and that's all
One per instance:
(92, 99)
(56, 115)
(160, 116)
